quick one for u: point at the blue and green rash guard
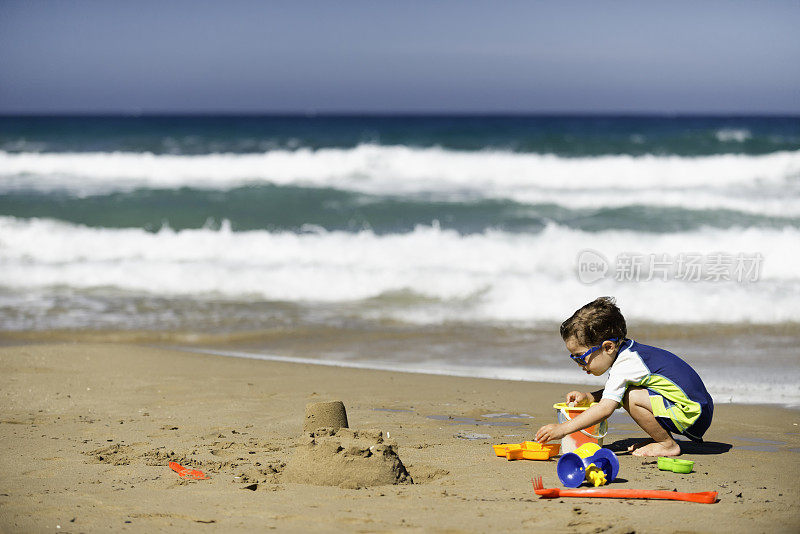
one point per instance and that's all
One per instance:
(678, 396)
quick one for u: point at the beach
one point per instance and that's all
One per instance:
(88, 431)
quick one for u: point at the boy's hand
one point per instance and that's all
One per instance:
(579, 398)
(549, 433)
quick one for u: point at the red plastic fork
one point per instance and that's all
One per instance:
(705, 497)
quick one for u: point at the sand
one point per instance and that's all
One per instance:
(88, 430)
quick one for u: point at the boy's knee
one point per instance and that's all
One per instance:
(637, 395)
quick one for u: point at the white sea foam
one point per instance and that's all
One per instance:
(766, 184)
(493, 276)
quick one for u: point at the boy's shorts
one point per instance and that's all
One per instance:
(661, 406)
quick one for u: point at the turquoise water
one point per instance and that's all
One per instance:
(294, 209)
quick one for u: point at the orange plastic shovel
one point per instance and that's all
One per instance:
(185, 472)
(704, 497)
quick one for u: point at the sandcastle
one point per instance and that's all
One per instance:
(331, 454)
(325, 415)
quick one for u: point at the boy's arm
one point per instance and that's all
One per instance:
(592, 416)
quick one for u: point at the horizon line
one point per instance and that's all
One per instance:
(398, 114)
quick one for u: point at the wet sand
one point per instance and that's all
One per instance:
(88, 430)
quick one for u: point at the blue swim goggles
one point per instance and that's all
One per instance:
(581, 360)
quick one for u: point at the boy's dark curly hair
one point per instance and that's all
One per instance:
(595, 322)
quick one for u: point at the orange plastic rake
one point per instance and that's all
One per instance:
(704, 497)
(185, 472)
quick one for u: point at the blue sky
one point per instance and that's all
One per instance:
(437, 56)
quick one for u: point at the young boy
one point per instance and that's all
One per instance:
(661, 392)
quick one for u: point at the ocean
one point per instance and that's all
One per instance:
(448, 244)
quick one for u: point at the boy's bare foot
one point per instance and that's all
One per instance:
(657, 448)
